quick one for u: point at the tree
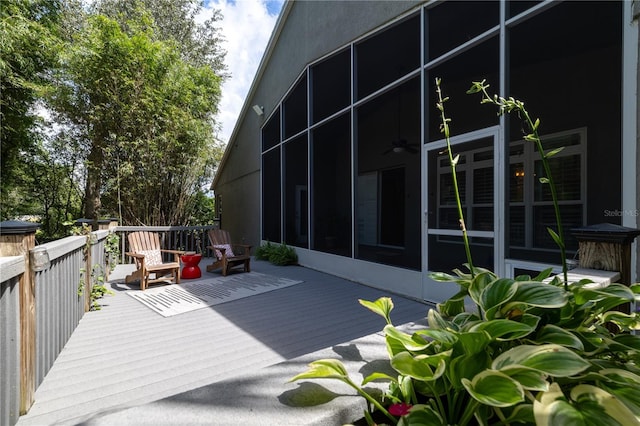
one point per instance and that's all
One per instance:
(146, 117)
(174, 20)
(28, 49)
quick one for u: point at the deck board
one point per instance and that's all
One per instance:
(126, 355)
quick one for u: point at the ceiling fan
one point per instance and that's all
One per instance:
(401, 145)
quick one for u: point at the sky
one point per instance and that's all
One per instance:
(246, 27)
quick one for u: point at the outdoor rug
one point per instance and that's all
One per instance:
(189, 295)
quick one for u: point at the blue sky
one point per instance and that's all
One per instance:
(246, 28)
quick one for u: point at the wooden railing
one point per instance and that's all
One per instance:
(186, 238)
(40, 310)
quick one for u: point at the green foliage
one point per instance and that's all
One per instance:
(144, 117)
(98, 287)
(28, 49)
(531, 351)
(278, 254)
(132, 86)
(112, 250)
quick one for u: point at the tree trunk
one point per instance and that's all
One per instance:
(94, 182)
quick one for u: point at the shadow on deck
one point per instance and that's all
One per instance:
(189, 368)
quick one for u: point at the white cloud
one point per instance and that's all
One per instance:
(246, 27)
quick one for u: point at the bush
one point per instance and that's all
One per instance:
(278, 254)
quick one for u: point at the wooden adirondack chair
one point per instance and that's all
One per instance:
(228, 255)
(146, 252)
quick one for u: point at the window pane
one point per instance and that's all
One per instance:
(544, 217)
(388, 209)
(392, 207)
(387, 56)
(448, 190)
(295, 109)
(482, 218)
(271, 132)
(331, 85)
(331, 187)
(516, 182)
(448, 253)
(566, 174)
(457, 74)
(271, 196)
(483, 185)
(296, 212)
(475, 186)
(515, 7)
(459, 22)
(517, 228)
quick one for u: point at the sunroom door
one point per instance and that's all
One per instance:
(481, 188)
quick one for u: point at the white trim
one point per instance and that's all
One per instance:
(512, 264)
(435, 291)
(392, 279)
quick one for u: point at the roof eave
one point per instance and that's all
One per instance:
(275, 35)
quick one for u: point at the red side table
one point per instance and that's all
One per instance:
(191, 269)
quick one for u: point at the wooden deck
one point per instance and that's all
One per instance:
(127, 355)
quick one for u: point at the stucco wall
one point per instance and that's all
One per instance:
(636, 17)
(311, 30)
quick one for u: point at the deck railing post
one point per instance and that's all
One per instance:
(17, 238)
(607, 247)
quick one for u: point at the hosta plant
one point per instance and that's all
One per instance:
(509, 351)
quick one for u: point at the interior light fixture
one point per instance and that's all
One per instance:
(258, 109)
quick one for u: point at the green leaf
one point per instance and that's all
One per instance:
(544, 274)
(464, 320)
(521, 414)
(471, 342)
(544, 180)
(624, 385)
(553, 334)
(539, 294)
(478, 284)
(557, 413)
(554, 152)
(604, 400)
(631, 341)
(394, 346)
(411, 343)
(554, 360)
(436, 321)
(624, 321)
(378, 376)
(324, 369)
(496, 293)
(529, 378)
(536, 124)
(383, 307)
(467, 367)
(442, 277)
(422, 415)
(418, 367)
(495, 389)
(454, 305)
(556, 238)
(603, 298)
(445, 338)
(504, 329)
